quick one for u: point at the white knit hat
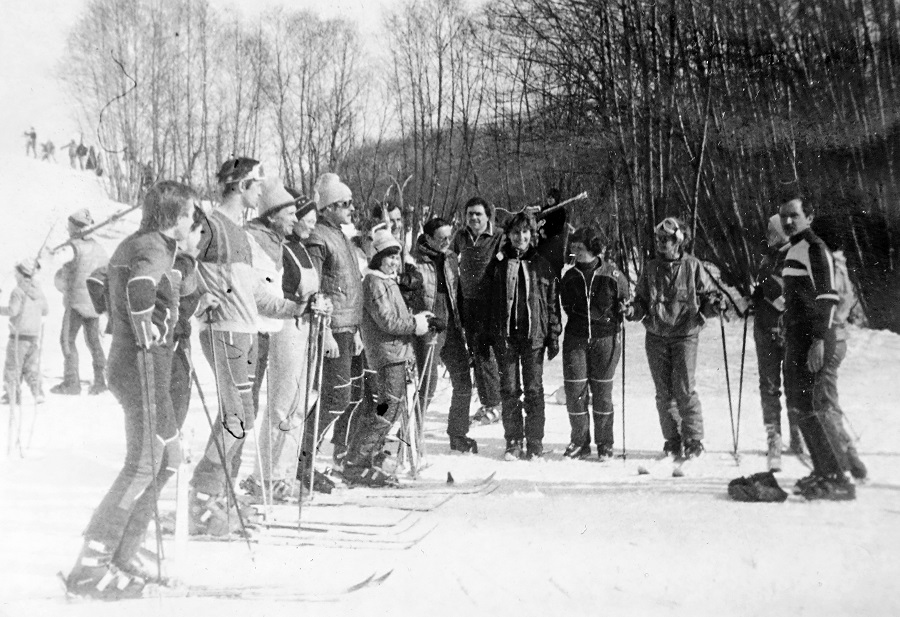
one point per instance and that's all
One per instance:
(775, 235)
(274, 196)
(383, 243)
(331, 190)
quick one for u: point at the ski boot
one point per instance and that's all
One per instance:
(576, 451)
(534, 451)
(95, 576)
(463, 444)
(514, 451)
(773, 454)
(144, 565)
(835, 487)
(321, 482)
(673, 448)
(487, 415)
(210, 515)
(693, 449)
(857, 467)
(66, 388)
(98, 387)
(373, 477)
(605, 452)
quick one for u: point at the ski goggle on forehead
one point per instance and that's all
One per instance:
(669, 227)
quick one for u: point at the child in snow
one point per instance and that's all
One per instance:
(26, 311)
(524, 320)
(674, 297)
(387, 331)
(591, 293)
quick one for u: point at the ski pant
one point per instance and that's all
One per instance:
(181, 380)
(73, 321)
(375, 423)
(262, 364)
(279, 430)
(770, 359)
(22, 359)
(673, 362)
(484, 357)
(825, 396)
(341, 396)
(120, 521)
(514, 354)
(455, 357)
(820, 432)
(589, 366)
(233, 357)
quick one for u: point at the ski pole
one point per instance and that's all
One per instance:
(737, 434)
(624, 451)
(315, 434)
(312, 351)
(148, 385)
(221, 412)
(40, 382)
(728, 382)
(229, 487)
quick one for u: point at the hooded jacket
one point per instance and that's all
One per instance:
(674, 298)
(542, 298)
(387, 325)
(591, 300)
(429, 260)
(27, 308)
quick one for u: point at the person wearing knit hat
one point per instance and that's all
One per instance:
(71, 279)
(334, 257)
(388, 328)
(767, 304)
(26, 311)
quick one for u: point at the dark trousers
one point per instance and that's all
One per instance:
(820, 433)
(673, 362)
(825, 395)
(22, 359)
(770, 358)
(513, 355)
(589, 367)
(455, 357)
(484, 357)
(73, 321)
(233, 358)
(262, 364)
(120, 521)
(376, 420)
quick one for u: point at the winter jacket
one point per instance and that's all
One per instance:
(592, 301)
(810, 296)
(674, 298)
(429, 259)
(294, 260)
(387, 325)
(848, 302)
(334, 257)
(225, 265)
(554, 238)
(542, 297)
(71, 278)
(265, 246)
(26, 310)
(474, 256)
(768, 296)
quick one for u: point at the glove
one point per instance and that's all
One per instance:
(436, 324)
(552, 349)
(321, 304)
(421, 320)
(626, 310)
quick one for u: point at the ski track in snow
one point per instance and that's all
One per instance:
(558, 537)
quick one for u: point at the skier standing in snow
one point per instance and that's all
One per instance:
(31, 142)
(768, 332)
(26, 311)
(475, 245)
(524, 320)
(440, 274)
(811, 343)
(86, 256)
(387, 330)
(591, 292)
(228, 338)
(334, 257)
(144, 291)
(673, 298)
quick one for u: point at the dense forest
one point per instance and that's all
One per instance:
(710, 110)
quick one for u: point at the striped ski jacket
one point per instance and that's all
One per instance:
(809, 286)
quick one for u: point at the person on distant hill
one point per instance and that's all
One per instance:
(674, 297)
(71, 280)
(26, 311)
(145, 288)
(81, 152)
(72, 147)
(31, 142)
(48, 151)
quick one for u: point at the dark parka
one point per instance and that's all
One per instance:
(334, 257)
(387, 325)
(599, 315)
(674, 298)
(426, 258)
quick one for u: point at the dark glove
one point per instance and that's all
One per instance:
(436, 324)
(552, 349)
(626, 310)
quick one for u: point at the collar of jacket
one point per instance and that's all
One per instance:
(259, 225)
(423, 250)
(489, 231)
(380, 274)
(807, 234)
(510, 253)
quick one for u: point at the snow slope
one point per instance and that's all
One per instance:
(558, 537)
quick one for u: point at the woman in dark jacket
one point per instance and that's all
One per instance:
(592, 292)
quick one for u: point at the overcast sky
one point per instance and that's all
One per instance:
(32, 40)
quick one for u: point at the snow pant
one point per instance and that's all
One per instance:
(820, 433)
(73, 321)
(589, 366)
(373, 426)
(279, 430)
(121, 520)
(341, 396)
(770, 359)
(455, 357)
(233, 358)
(22, 359)
(181, 380)
(673, 362)
(514, 354)
(262, 363)
(825, 395)
(484, 356)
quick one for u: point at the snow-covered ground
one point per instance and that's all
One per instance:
(557, 537)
